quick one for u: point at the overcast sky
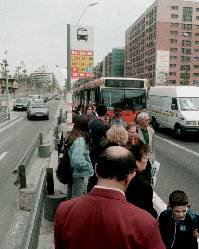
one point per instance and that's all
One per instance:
(34, 31)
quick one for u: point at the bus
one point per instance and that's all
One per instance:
(127, 95)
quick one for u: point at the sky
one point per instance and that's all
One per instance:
(34, 31)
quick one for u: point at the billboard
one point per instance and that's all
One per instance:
(162, 67)
(82, 51)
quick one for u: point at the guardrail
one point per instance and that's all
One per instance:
(31, 237)
(20, 169)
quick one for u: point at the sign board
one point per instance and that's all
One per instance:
(82, 51)
(162, 67)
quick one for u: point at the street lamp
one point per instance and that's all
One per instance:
(84, 11)
(4, 66)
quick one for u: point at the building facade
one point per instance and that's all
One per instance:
(162, 45)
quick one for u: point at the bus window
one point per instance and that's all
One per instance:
(135, 99)
(113, 98)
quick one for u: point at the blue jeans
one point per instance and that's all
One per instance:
(76, 188)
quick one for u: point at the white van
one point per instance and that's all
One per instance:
(174, 107)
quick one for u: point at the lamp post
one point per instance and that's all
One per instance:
(4, 66)
(84, 11)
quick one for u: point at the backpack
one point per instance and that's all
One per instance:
(64, 171)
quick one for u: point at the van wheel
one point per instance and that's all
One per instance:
(178, 131)
(155, 124)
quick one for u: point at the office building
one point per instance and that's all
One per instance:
(162, 45)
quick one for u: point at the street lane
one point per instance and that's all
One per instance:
(14, 142)
(179, 169)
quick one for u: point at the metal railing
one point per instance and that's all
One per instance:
(31, 237)
(20, 169)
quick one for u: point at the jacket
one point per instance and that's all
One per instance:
(79, 158)
(103, 219)
(177, 234)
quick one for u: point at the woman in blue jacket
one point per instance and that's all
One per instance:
(78, 144)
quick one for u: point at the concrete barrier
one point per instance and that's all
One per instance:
(44, 150)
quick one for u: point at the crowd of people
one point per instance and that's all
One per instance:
(110, 198)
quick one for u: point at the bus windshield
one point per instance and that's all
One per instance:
(124, 99)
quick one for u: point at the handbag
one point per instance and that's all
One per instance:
(64, 171)
(155, 166)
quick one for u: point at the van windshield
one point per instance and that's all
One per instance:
(189, 104)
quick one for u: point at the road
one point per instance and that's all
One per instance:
(179, 166)
(14, 142)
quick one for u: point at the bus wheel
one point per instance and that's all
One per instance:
(155, 124)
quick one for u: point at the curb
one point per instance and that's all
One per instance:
(8, 122)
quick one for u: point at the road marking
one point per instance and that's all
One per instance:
(11, 124)
(3, 155)
(179, 146)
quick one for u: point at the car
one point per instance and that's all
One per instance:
(20, 104)
(37, 110)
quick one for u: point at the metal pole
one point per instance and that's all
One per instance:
(68, 59)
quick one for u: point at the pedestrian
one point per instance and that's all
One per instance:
(107, 119)
(117, 120)
(146, 135)
(88, 111)
(132, 135)
(103, 219)
(78, 144)
(139, 191)
(178, 223)
(117, 135)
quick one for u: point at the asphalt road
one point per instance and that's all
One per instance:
(179, 166)
(14, 142)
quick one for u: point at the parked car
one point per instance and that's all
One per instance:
(20, 104)
(37, 110)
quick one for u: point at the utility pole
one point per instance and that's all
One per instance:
(4, 66)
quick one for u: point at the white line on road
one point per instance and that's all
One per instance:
(178, 146)
(11, 124)
(3, 155)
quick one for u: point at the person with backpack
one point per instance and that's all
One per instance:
(77, 143)
(178, 224)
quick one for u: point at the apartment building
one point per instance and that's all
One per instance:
(162, 45)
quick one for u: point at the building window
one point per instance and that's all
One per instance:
(174, 32)
(195, 82)
(173, 41)
(172, 73)
(197, 34)
(172, 82)
(174, 7)
(174, 24)
(172, 65)
(173, 49)
(196, 58)
(197, 17)
(195, 74)
(185, 67)
(185, 75)
(187, 14)
(186, 43)
(187, 26)
(196, 66)
(196, 42)
(173, 57)
(186, 50)
(184, 82)
(197, 9)
(185, 58)
(173, 16)
(196, 50)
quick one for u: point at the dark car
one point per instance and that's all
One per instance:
(37, 110)
(20, 104)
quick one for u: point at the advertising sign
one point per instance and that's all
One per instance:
(82, 44)
(162, 67)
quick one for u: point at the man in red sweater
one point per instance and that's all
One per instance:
(103, 219)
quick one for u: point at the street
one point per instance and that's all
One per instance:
(179, 166)
(14, 142)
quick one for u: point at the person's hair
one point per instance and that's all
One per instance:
(108, 115)
(80, 107)
(101, 110)
(117, 134)
(117, 115)
(115, 162)
(86, 108)
(80, 129)
(141, 116)
(139, 150)
(129, 126)
(178, 198)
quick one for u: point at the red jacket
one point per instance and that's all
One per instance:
(103, 219)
